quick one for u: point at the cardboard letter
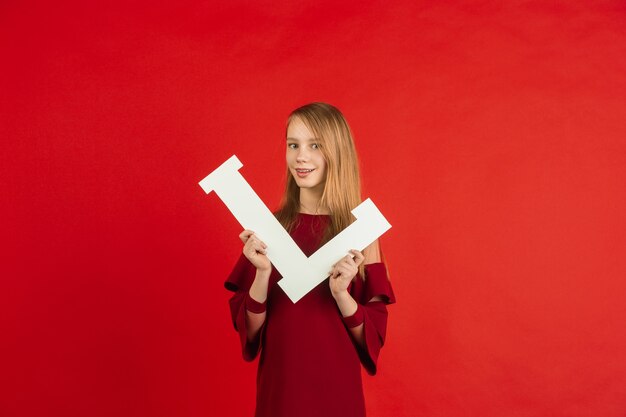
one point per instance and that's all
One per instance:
(300, 274)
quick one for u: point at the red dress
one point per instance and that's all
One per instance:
(309, 364)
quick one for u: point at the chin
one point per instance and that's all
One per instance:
(306, 182)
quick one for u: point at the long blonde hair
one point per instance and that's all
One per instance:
(342, 190)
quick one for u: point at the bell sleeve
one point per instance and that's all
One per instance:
(239, 282)
(372, 314)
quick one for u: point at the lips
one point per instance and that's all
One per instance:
(303, 172)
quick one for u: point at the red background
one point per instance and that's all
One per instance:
(491, 135)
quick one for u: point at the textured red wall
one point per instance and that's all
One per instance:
(492, 135)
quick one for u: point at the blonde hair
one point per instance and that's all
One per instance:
(342, 190)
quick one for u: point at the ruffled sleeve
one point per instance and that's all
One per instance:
(239, 282)
(373, 314)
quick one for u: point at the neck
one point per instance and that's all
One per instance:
(310, 199)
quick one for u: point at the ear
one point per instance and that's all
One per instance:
(372, 253)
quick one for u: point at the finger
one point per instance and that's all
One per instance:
(348, 261)
(249, 251)
(245, 235)
(358, 257)
(343, 263)
(333, 271)
(256, 239)
(259, 246)
(252, 240)
(341, 271)
(348, 271)
(250, 243)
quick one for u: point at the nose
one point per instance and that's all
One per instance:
(303, 154)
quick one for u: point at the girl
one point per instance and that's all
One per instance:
(311, 351)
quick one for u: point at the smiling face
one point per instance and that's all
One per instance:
(305, 160)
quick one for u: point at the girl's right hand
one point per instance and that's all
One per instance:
(255, 250)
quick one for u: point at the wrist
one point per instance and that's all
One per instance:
(355, 319)
(255, 306)
(341, 295)
(263, 273)
(346, 304)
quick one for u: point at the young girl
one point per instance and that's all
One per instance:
(311, 351)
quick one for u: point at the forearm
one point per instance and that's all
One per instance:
(348, 306)
(258, 292)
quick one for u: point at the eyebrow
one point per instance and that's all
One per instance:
(306, 140)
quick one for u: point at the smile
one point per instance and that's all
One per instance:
(303, 172)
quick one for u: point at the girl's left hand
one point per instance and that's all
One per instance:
(344, 271)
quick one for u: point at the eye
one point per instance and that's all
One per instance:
(292, 145)
(315, 146)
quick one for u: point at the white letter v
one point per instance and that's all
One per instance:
(300, 274)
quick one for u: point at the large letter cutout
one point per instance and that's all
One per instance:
(300, 274)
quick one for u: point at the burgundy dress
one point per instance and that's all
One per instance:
(309, 364)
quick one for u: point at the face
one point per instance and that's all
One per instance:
(304, 156)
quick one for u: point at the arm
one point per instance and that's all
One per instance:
(341, 276)
(255, 308)
(249, 282)
(256, 252)
(348, 307)
(363, 306)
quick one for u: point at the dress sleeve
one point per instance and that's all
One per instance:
(373, 314)
(239, 282)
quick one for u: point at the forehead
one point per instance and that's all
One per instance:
(298, 131)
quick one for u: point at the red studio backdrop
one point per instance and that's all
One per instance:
(492, 135)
